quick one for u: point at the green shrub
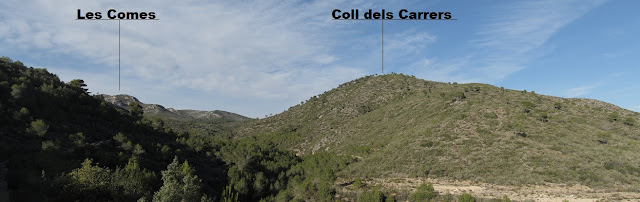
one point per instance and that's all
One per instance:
(557, 105)
(630, 121)
(390, 199)
(466, 197)
(179, 183)
(528, 104)
(614, 116)
(120, 137)
(427, 143)
(78, 139)
(458, 96)
(38, 127)
(49, 145)
(371, 196)
(358, 183)
(425, 192)
(544, 117)
(447, 197)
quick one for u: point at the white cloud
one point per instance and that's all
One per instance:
(275, 50)
(409, 41)
(505, 43)
(519, 32)
(580, 91)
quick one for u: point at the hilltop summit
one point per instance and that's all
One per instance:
(402, 126)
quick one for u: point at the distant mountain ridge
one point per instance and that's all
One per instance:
(123, 101)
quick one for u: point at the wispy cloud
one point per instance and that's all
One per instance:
(516, 36)
(507, 41)
(277, 50)
(580, 91)
(409, 42)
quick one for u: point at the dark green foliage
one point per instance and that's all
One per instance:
(390, 199)
(613, 116)
(179, 183)
(54, 126)
(371, 196)
(256, 170)
(79, 85)
(95, 183)
(229, 195)
(466, 197)
(313, 179)
(136, 110)
(49, 145)
(38, 127)
(425, 192)
(358, 183)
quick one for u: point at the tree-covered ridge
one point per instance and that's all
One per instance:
(63, 144)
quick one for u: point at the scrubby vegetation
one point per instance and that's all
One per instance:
(477, 132)
(63, 144)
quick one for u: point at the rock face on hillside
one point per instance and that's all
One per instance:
(123, 101)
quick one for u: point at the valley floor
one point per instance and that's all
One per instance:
(548, 192)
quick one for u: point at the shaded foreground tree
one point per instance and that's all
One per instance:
(180, 184)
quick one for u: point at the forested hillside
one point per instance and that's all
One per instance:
(60, 143)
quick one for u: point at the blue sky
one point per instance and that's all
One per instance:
(261, 57)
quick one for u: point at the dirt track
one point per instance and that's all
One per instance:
(547, 192)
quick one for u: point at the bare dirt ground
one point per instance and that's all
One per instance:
(547, 192)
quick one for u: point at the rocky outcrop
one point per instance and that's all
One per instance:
(123, 101)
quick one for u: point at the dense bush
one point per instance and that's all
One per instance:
(425, 192)
(466, 197)
(613, 116)
(371, 196)
(38, 127)
(630, 121)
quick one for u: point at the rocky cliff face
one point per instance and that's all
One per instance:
(123, 101)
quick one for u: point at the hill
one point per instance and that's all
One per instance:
(151, 110)
(371, 138)
(401, 126)
(59, 143)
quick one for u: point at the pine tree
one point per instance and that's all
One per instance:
(136, 110)
(79, 85)
(180, 183)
